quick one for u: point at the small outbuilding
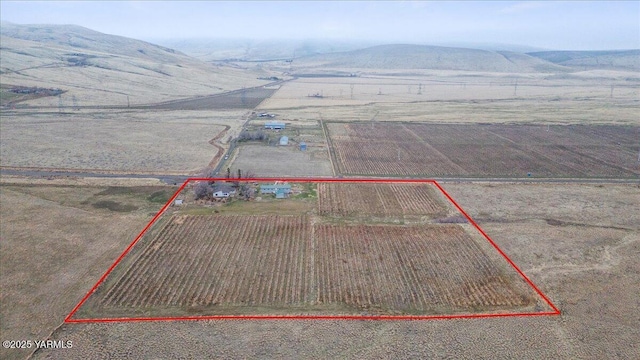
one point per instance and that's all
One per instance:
(303, 146)
(284, 140)
(274, 125)
(178, 202)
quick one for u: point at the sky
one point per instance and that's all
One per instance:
(554, 25)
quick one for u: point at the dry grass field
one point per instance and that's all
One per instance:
(494, 150)
(281, 161)
(584, 262)
(57, 238)
(469, 97)
(167, 142)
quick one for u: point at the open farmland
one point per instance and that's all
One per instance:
(411, 269)
(202, 261)
(274, 264)
(585, 261)
(279, 161)
(485, 150)
(379, 200)
(223, 262)
(441, 96)
(120, 141)
(237, 99)
(51, 228)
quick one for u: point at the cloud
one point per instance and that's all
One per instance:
(522, 7)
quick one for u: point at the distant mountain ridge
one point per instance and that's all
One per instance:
(406, 56)
(258, 50)
(606, 59)
(82, 38)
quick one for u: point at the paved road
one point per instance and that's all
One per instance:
(178, 179)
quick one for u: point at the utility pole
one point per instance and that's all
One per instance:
(351, 91)
(128, 103)
(515, 88)
(420, 89)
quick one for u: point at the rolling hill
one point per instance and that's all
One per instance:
(258, 50)
(588, 60)
(100, 69)
(431, 57)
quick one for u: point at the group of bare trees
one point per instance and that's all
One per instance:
(259, 135)
(205, 189)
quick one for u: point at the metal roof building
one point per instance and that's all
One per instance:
(284, 140)
(280, 190)
(274, 125)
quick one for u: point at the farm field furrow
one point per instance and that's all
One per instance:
(379, 200)
(358, 252)
(264, 264)
(197, 261)
(360, 248)
(498, 150)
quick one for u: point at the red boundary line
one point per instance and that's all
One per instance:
(555, 311)
(525, 277)
(125, 252)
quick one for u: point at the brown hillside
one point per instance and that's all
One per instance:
(100, 69)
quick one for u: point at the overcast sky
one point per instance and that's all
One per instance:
(569, 25)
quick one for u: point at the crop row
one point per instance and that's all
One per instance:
(485, 150)
(349, 199)
(391, 158)
(403, 269)
(279, 261)
(203, 260)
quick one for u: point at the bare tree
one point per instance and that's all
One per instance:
(202, 190)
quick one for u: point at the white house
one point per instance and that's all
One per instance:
(223, 191)
(223, 194)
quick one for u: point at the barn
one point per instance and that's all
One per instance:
(274, 125)
(284, 140)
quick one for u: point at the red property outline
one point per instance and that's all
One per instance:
(555, 311)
